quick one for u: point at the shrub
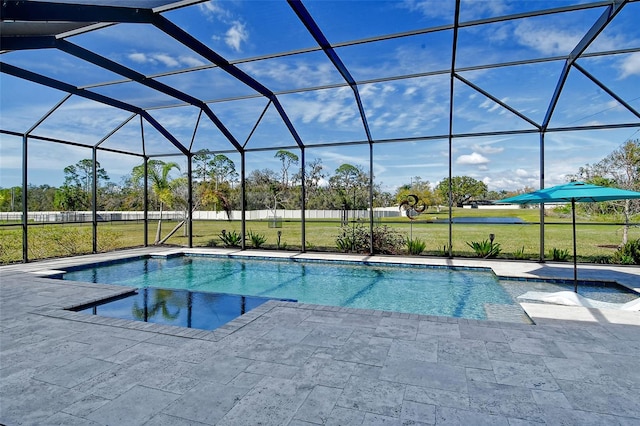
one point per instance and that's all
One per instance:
(485, 248)
(559, 255)
(415, 247)
(257, 239)
(356, 239)
(628, 254)
(353, 239)
(230, 239)
(346, 241)
(387, 240)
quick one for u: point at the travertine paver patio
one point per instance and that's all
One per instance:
(294, 364)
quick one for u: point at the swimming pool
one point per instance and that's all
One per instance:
(454, 292)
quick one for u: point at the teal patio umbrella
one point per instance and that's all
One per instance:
(572, 192)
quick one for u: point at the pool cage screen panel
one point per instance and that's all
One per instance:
(339, 64)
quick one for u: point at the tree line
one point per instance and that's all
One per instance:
(216, 186)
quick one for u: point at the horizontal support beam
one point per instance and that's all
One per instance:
(38, 11)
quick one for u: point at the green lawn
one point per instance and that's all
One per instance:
(595, 238)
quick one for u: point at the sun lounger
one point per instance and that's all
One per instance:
(569, 298)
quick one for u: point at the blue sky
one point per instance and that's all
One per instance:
(401, 108)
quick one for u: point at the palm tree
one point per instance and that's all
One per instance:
(161, 185)
(163, 301)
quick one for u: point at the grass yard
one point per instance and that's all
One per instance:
(594, 239)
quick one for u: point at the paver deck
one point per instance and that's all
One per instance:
(299, 364)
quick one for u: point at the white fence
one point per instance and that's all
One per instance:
(107, 216)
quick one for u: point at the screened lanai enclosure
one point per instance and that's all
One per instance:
(306, 125)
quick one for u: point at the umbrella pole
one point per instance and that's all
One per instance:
(575, 259)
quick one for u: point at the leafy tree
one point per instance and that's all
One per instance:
(464, 189)
(110, 197)
(70, 198)
(382, 198)
(216, 173)
(81, 174)
(349, 185)
(288, 159)
(201, 162)
(75, 192)
(314, 176)
(216, 166)
(622, 166)
(6, 204)
(621, 169)
(419, 188)
(11, 199)
(39, 198)
(265, 190)
(223, 169)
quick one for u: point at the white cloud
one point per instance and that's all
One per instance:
(630, 65)
(386, 106)
(164, 59)
(490, 106)
(410, 91)
(237, 32)
(388, 88)
(473, 158)
(236, 35)
(505, 180)
(213, 9)
(140, 58)
(430, 8)
(294, 74)
(469, 9)
(609, 41)
(546, 40)
(191, 61)
(473, 9)
(487, 149)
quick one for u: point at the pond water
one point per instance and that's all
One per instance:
(496, 220)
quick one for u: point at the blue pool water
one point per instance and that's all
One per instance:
(206, 311)
(422, 290)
